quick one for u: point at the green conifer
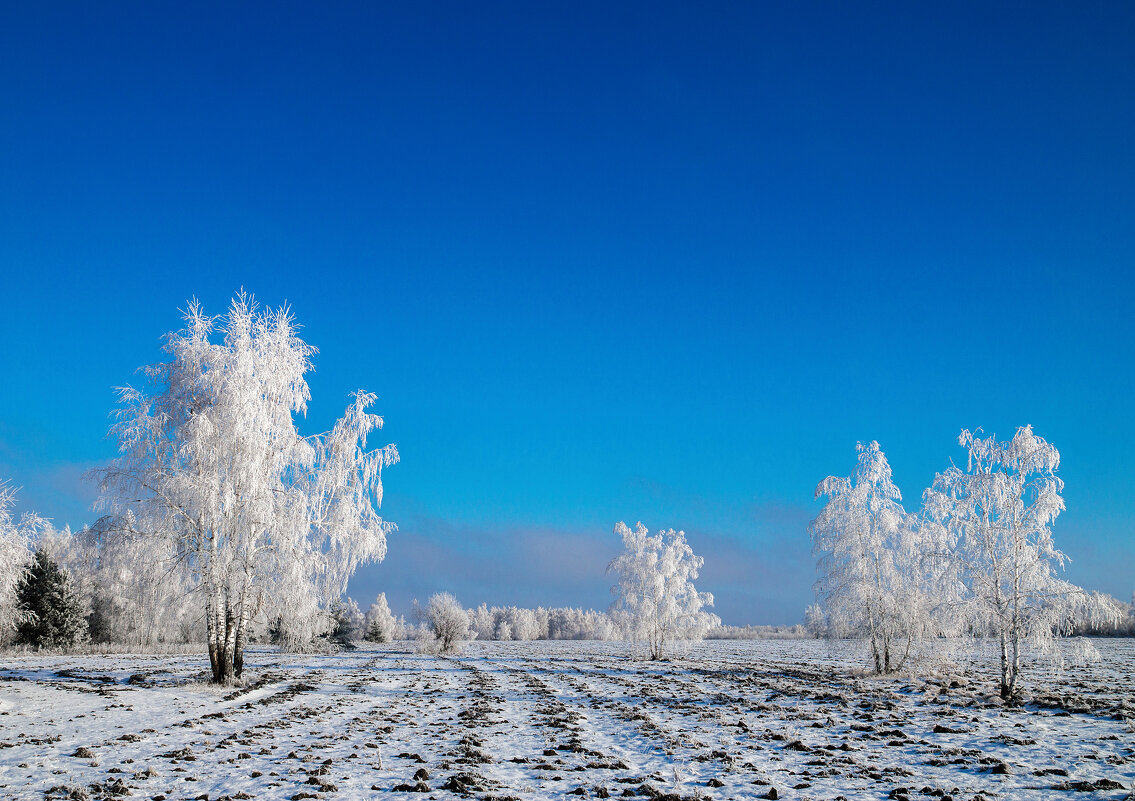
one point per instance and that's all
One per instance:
(54, 615)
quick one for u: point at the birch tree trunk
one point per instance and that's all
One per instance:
(212, 635)
(243, 616)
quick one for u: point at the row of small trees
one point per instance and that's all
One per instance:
(977, 559)
(518, 623)
(485, 623)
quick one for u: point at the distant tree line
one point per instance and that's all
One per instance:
(794, 632)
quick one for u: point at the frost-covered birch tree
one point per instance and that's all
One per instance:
(869, 551)
(1000, 512)
(655, 599)
(210, 458)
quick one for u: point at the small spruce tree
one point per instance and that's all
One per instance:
(53, 615)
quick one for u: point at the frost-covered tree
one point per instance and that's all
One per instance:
(1119, 623)
(656, 600)
(446, 622)
(514, 623)
(15, 557)
(52, 613)
(380, 625)
(211, 461)
(815, 621)
(870, 559)
(525, 624)
(1000, 512)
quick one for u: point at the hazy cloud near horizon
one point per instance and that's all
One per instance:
(765, 580)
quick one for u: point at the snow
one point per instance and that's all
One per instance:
(534, 720)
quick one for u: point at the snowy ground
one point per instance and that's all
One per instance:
(548, 720)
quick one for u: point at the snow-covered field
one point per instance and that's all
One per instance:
(533, 720)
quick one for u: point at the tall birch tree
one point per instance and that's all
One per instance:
(869, 552)
(1000, 512)
(211, 459)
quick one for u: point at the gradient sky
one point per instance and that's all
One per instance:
(600, 262)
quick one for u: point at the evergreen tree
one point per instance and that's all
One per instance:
(53, 615)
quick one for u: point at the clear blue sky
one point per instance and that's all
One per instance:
(600, 261)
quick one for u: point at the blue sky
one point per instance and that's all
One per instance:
(600, 263)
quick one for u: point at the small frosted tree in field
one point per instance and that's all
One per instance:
(211, 461)
(869, 558)
(15, 557)
(446, 621)
(1000, 512)
(656, 600)
(379, 625)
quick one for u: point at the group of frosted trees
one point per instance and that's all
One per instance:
(38, 602)
(656, 604)
(483, 622)
(977, 560)
(221, 516)
(15, 559)
(517, 623)
(121, 590)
